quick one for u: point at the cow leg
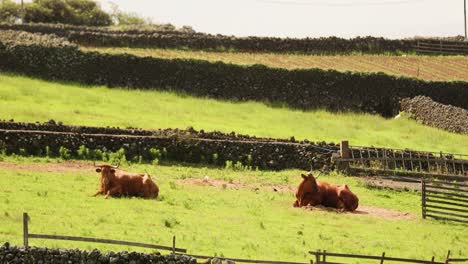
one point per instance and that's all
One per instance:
(296, 203)
(98, 192)
(113, 191)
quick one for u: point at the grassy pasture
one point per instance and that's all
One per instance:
(440, 68)
(29, 100)
(231, 222)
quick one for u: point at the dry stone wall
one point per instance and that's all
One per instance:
(301, 88)
(192, 148)
(20, 255)
(92, 36)
(431, 113)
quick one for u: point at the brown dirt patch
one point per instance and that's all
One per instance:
(66, 166)
(364, 210)
(235, 185)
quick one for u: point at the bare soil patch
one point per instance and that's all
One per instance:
(236, 185)
(364, 210)
(66, 166)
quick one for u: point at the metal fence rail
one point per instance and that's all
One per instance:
(444, 201)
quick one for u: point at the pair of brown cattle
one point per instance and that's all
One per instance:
(116, 182)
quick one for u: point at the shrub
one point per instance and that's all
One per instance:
(47, 152)
(64, 153)
(22, 152)
(83, 153)
(228, 165)
(117, 157)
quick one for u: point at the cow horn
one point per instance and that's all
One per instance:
(116, 167)
(320, 173)
(97, 166)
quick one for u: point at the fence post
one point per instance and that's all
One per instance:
(324, 256)
(173, 244)
(317, 256)
(383, 258)
(423, 197)
(447, 259)
(345, 154)
(25, 229)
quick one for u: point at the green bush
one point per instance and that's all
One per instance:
(64, 153)
(117, 157)
(83, 153)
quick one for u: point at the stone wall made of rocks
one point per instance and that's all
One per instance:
(431, 113)
(259, 153)
(20, 255)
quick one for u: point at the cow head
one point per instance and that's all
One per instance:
(107, 173)
(307, 191)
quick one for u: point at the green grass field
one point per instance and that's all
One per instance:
(26, 99)
(243, 222)
(441, 68)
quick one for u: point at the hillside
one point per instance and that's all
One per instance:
(433, 68)
(101, 106)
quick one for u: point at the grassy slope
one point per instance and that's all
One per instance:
(207, 220)
(424, 67)
(26, 99)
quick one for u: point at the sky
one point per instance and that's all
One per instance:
(306, 18)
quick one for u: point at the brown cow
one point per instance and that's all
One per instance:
(312, 192)
(116, 182)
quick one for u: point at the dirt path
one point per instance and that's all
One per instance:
(80, 166)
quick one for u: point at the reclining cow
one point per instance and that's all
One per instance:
(312, 192)
(116, 182)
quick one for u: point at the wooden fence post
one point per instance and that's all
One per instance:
(423, 197)
(173, 244)
(317, 256)
(383, 258)
(25, 229)
(447, 259)
(345, 154)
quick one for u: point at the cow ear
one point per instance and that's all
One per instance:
(304, 176)
(112, 170)
(98, 169)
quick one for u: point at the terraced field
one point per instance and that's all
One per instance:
(433, 68)
(101, 106)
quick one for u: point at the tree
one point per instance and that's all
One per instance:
(9, 11)
(75, 12)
